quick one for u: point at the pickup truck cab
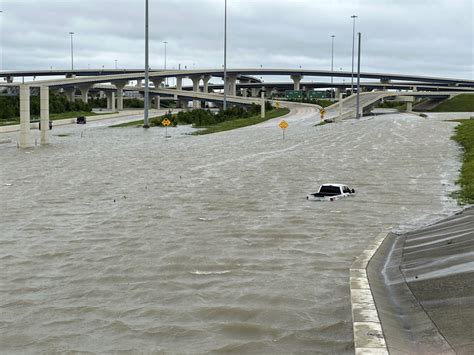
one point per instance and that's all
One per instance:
(331, 192)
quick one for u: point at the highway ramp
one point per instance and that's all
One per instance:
(423, 286)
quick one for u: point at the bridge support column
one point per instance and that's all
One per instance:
(44, 109)
(254, 92)
(205, 81)
(179, 83)
(232, 85)
(157, 82)
(196, 80)
(110, 100)
(70, 94)
(157, 102)
(9, 79)
(139, 83)
(24, 116)
(409, 106)
(85, 92)
(296, 81)
(120, 85)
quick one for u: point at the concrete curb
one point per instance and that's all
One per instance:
(368, 334)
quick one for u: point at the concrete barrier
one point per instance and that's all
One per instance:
(368, 334)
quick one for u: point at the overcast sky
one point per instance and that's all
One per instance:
(425, 37)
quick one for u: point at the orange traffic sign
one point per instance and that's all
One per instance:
(283, 124)
(166, 122)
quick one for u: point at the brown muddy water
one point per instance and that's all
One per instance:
(120, 240)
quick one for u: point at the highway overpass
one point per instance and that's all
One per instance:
(236, 80)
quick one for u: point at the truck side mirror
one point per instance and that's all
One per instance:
(353, 191)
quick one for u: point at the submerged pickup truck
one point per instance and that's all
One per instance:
(331, 192)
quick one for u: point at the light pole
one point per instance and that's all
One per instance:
(145, 114)
(332, 57)
(166, 79)
(72, 51)
(115, 63)
(353, 17)
(225, 55)
(358, 77)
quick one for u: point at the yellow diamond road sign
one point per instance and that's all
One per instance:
(283, 124)
(166, 122)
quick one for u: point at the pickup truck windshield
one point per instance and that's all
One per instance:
(330, 190)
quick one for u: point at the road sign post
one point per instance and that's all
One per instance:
(166, 122)
(283, 125)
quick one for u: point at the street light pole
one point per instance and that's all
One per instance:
(147, 103)
(72, 51)
(353, 17)
(332, 58)
(166, 79)
(358, 77)
(225, 55)
(115, 63)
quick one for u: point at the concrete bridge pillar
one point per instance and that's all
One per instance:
(179, 83)
(9, 79)
(24, 116)
(44, 116)
(70, 94)
(205, 81)
(254, 92)
(244, 92)
(120, 85)
(157, 102)
(139, 83)
(409, 106)
(85, 92)
(157, 82)
(232, 85)
(110, 100)
(296, 81)
(196, 80)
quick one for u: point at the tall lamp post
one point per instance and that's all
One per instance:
(225, 55)
(72, 51)
(115, 63)
(147, 103)
(332, 57)
(353, 17)
(166, 79)
(358, 77)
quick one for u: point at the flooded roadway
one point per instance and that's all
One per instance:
(117, 239)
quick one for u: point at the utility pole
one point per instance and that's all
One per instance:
(358, 78)
(353, 44)
(72, 51)
(225, 55)
(147, 78)
(332, 58)
(166, 79)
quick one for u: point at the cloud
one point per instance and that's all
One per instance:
(432, 37)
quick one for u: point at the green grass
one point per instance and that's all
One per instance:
(465, 137)
(243, 122)
(138, 123)
(460, 103)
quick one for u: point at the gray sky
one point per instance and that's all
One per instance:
(425, 37)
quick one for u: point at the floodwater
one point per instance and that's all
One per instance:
(121, 240)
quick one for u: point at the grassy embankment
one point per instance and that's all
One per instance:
(465, 137)
(459, 103)
(242, 122)
(137, 123)
(231, 119)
